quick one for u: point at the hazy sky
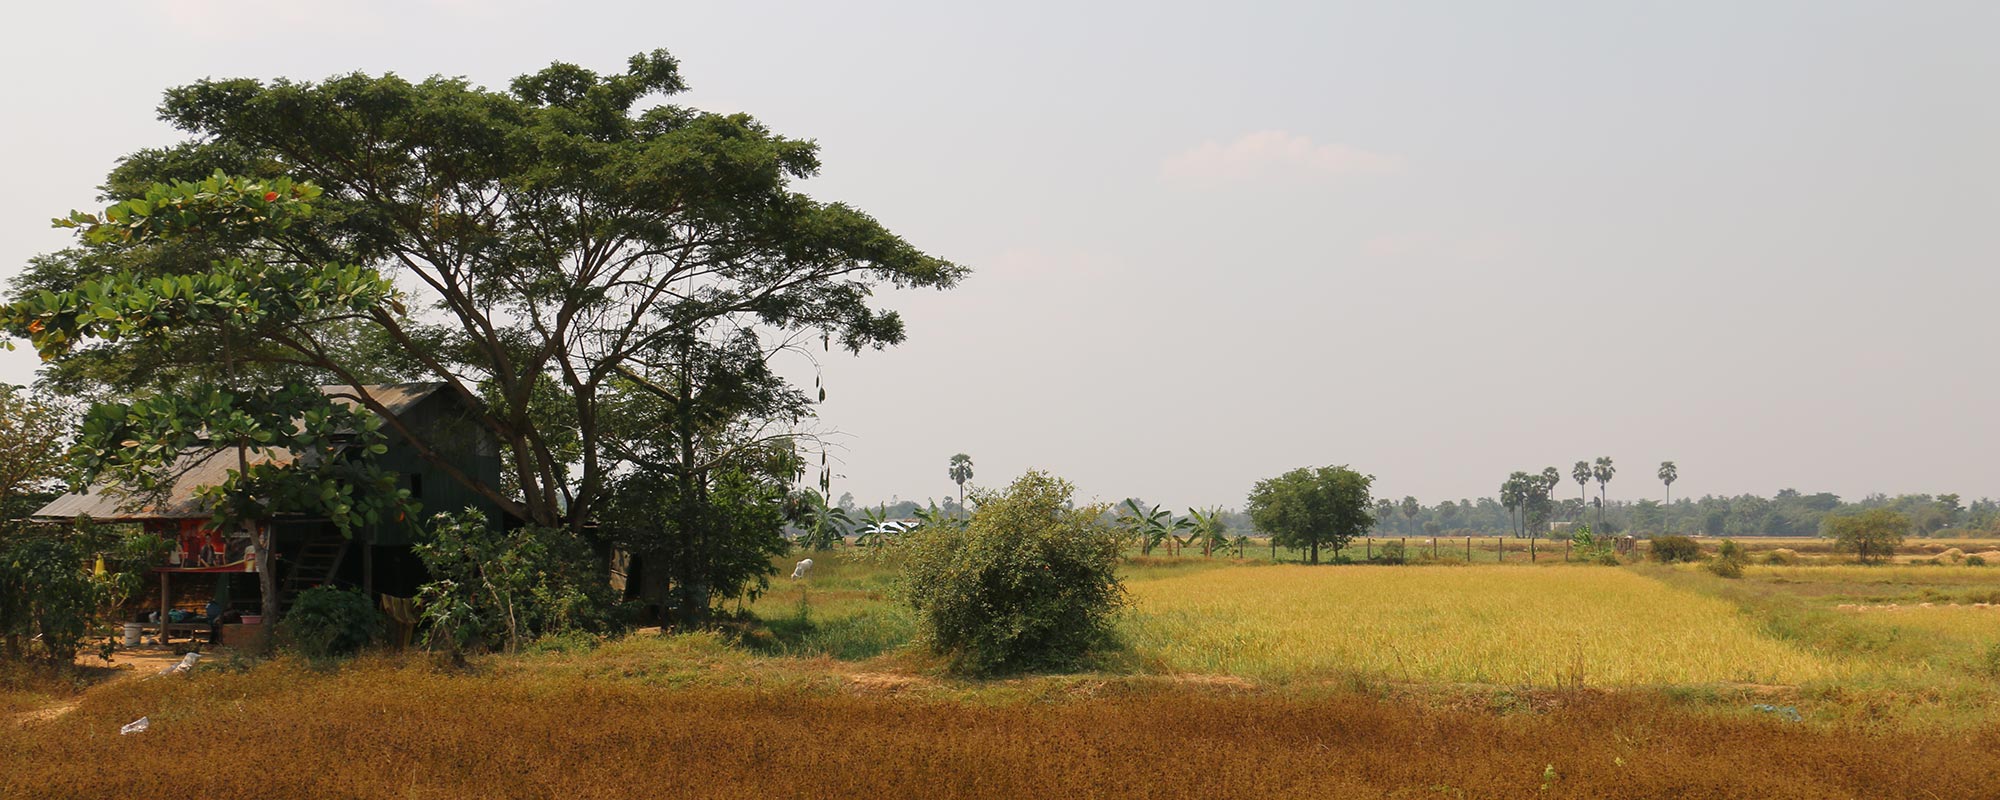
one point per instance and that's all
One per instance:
(1435, 241)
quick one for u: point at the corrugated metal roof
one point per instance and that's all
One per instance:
(195, 470)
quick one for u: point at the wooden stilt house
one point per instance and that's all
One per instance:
(221, 565)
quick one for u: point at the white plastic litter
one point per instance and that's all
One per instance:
(187, 662)
(136, 726)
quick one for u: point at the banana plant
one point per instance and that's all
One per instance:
(1152, 525)
(825, 524)
(1209, 529)
(872, 531)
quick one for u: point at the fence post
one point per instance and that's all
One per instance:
(1566, 545)
(1531, 548)
(1370, 548)
(1468, 549)
(1500, 543)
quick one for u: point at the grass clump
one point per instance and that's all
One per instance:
(1029, 583)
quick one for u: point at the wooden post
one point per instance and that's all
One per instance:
(1468, 549)
(1370, 548)
(1531, 548)
(164, 606)
(1566, 551)
(1501, 542)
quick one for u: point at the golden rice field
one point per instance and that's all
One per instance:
(1516, 626)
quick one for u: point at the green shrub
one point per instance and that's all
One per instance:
(495, 588)
(1726, 567)
(51, 598)
(331, 623)
(1392, 552)
(1975, 561)
(1783, 556)
(1670, 549)
(1029, 583)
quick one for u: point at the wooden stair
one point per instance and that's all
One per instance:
(317, 561)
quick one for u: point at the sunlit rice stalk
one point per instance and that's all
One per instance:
(1456, 625)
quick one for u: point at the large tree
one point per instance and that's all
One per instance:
(1668, 474)
(1870, 535)
(550, 253)
(1310, 507)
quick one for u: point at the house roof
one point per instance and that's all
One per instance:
(197, 469)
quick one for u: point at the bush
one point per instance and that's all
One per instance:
(331, 623)
(51, 597)
(1391, 553)
(1975, 561)
(1783, 556)
(1670, 549)
(505, 588)
(1726, 567)
(1029, 583)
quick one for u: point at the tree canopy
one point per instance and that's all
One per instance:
(1310, 507)
(600, 275)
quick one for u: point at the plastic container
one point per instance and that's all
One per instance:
(253, 619)
(132, 630)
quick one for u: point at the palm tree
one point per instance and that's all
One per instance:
(1581, 473)
(960, 472)
(1668, 474)
(1602, 471)
(1514, 495)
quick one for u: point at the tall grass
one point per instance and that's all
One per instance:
(1568, 627)
(377, 729)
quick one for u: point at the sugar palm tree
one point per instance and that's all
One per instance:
(1581, 473)
(1668, 474)
(1602, 471)
(960, 472)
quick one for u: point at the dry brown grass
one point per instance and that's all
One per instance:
(379, 729)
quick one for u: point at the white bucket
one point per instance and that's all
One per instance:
(132, 630)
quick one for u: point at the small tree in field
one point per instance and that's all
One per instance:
(1309, 507)
(1029, 583)
(1869, 535)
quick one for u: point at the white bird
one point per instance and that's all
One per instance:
(800, 570)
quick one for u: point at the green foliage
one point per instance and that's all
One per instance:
(701, 541)
(1725, 567)
(51, 597)
(1871, 535)
(1671, 549)
(1391, 552)
(824, 524)
(1308, 508)
(491, 587)
(1152, 526)
(1590, 548)
(580, 253)
(1975, 561)
(326, 622)
(1029, 583)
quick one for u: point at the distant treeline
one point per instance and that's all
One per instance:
(1789, 513)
